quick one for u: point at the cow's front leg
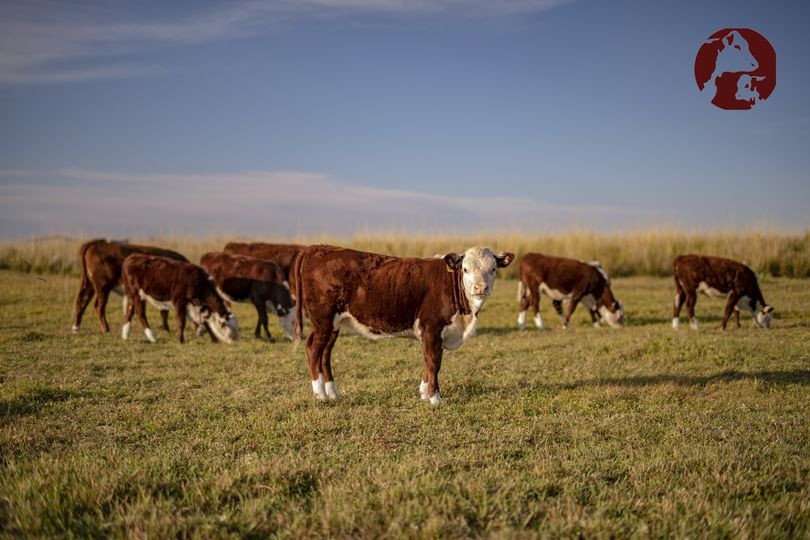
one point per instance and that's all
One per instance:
(317, 340)
(731, 303)
(164, 316)
(737, 317)
(432, 348)
(572, 305)
(691, 300)
(180, 315)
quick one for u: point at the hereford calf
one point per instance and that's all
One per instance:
(437, 301)
(283, 254)
(247, 279)
(184, 287)
(568, 280)
(718, 278)
(100, 264)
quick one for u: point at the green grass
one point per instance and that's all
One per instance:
(639, 432)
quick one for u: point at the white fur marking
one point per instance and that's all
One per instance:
(435, 399)
(423, 390)
(676, 322)
(460, 328)
(693, 323)
(538, 321)
(554, 294)
(331, 390)
(125, 330)
(711, 292)
(150, 335)
(319, 388)
(522, 319)
(75, 329)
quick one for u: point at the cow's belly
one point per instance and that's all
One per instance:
(554, 294)
(347, 321)
(710, 291)
(163, 305)
(460, 328)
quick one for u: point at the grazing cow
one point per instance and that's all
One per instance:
(437, 301)
(718, 278)
(169, 284)
(570, 280)
(247, 279)
(100, 264)
(283, 254)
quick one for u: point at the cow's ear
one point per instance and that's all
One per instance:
(453, 260)
(504, 258)
(767, 309)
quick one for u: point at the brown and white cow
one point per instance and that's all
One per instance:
(563, 279)
(283, 254)
(100, 264)
(247, 279)
(437, 301)
(718, 278)
(169, 284)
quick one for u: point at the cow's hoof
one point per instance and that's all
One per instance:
(319, 388)
(435, 399)
(75, 329)
(150, 335)
(125, 330)
(331, 390)
(423, 391)
(675, 323)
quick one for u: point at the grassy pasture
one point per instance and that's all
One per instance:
(639, 432)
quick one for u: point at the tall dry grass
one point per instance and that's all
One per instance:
(770, 253)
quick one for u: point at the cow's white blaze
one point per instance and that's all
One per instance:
(614, 319)
(479, 269)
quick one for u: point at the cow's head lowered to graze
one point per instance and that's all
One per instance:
(211, 313)
(479, 266)
(763, 316)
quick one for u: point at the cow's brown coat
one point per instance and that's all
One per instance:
(100, 263)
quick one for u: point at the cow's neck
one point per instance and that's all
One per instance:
(460, 301)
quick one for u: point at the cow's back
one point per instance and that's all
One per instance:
(562, 273)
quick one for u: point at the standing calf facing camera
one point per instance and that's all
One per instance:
(568, 280)
(247, 279)
(718, 278)
(437, 301)
(184, 287)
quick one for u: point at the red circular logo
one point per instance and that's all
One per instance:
(736, 68)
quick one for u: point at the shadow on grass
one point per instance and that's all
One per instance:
(31, 402)
(796, 376)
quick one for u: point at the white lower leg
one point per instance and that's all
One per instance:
(693, 323)
(150, 335)
(522, 319)
(125, 330)
(538, 321)
(423, 390)
(75, 329)
(435, 399)
(676, 322)
(318, 387)
(331, 390)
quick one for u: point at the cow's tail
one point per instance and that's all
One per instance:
(299, 300)
(521, 290)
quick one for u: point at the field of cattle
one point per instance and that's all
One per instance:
(587, 431)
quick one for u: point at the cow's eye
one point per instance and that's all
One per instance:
(466, 271)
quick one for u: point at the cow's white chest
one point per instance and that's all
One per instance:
(554, 294)
(163, 305)
(460, 328)
(711, 292)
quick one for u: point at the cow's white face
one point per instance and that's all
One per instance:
(764, 316)
(226, 329)
(615, 318)
(479, 266)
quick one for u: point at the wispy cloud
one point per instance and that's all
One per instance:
(278, 202)
(41, 41)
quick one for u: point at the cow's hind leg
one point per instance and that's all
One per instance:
(83, 298)
(680, 298)
(317, 340)
(535, 299)
(128, 313)
(102, 296)
(326, 367)
(180, 314)
(731, 304)
(691, 300)
(261, 311)
(164, 315)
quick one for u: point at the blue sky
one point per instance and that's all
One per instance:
(309, 116)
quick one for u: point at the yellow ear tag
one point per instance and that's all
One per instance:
(449, 269)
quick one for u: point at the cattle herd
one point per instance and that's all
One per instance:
(436, 301)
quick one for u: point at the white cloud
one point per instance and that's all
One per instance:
(38, 38)
(278, 202)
